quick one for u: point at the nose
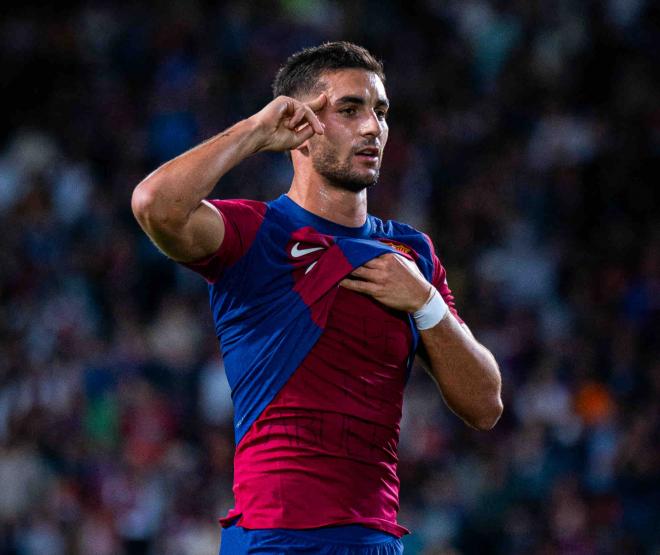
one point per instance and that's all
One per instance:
(371, 125)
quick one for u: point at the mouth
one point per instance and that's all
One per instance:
(368, 154)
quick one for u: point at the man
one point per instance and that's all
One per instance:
(320, 309)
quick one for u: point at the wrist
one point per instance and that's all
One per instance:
(256, 134)
(424, 297)
(432, 312)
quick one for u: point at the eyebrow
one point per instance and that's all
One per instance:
(350, 99)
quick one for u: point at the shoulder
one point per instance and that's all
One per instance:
(392, 227)
(404, 233)
(425, 253)
(242, 220)
(239, 207)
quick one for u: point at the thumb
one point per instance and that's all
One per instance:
(318, 103)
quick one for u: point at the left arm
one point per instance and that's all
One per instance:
(465, 371)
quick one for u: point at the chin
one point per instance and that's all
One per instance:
(356, 184)
(346, 176)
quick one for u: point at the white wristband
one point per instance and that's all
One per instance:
(433, 311)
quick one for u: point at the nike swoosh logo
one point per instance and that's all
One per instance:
(297, 253)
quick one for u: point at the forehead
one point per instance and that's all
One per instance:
(353, 82)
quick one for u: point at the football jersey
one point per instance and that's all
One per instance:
(317, 371)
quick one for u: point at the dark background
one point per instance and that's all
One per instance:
(525, 139)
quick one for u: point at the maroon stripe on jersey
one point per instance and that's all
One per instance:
(242, 219)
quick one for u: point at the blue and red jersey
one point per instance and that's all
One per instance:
(317, 372)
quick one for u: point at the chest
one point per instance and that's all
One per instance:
(367, 331)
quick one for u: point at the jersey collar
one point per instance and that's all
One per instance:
(306, 218)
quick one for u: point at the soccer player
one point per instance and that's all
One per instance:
(320, 309)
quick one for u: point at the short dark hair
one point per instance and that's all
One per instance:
(300, 73)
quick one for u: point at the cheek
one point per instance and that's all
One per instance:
(323, 148)
(331, 142)
(338, 132)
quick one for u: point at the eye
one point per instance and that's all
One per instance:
(382, 114)
(348, 111)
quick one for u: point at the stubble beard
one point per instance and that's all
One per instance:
(341, 174)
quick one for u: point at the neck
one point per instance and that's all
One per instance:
(330, 202)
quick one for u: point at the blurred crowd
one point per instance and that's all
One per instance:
(525, 139)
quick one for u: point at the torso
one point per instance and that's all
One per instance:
(325, 449)
(317, 371)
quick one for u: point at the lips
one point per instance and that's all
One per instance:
(369, 155)
(370, 151)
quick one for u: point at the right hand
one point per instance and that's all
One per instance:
(286, 123)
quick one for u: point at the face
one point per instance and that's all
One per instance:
(350, 151)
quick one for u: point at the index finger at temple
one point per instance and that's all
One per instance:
(313, 120)
(318, 103)
(297, 117)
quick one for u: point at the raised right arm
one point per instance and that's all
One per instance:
(168, 202)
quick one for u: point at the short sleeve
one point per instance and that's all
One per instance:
(439, 281)
(242, 219)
